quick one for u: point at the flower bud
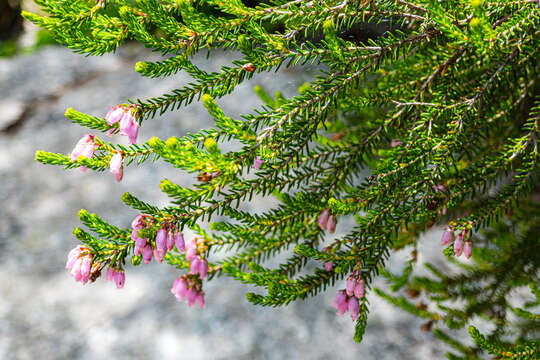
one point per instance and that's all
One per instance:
(257, 163)
(331, 225)
(116, 166)
(323, 219)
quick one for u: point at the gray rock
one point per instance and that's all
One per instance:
(44, 314)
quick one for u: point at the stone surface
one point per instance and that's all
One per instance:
(44, 314)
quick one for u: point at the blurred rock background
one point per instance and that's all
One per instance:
(44, 314)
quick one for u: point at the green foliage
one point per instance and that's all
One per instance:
(432, 120)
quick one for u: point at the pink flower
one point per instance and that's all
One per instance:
(194, 266)
(147, 254)
(76, 270)
(191, 295)
(340, 302)
(191, 249)
(140, 221)
(125, 114)
(331, 225)
(349, 287)
(328, 266)
(73, 256)
(115, 114)
(119, 278)
(179, 242)
(85, 267)
(203, 269)
(116, 166)
(161, 240)
(354, 308)
(257, 163)
(395, 142)
(199, 299)
(159, 255)
(467, 249)
(323, 219)
(447, 237)
(458, 245)
(85, 147)
(359, 289)
(80, 265)
(179, 288)
(110, 274)
(170, 241)
(129, 126)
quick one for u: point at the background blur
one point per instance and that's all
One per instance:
(44, 314)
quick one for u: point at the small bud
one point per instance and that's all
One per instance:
(136, 260)
(331, 225)
(257, 163)
(323, 219)
(395, 143)
(328, 266)
(249, 67)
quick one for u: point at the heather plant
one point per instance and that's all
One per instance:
(430, 119)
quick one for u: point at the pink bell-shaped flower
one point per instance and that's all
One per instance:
(359, 289)
(458, 245)
(467, 249)
(116, 166)
(323, 219)
(447, 237)
(331, 224)
(129, 126)
(179, 242)
(354, 308)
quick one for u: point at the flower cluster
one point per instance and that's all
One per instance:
(166, 238)
(198, 264)
(85, 147)
(80, 263)
(348, 299)
(118, 276)
(84, 269)
(125, 115)
(327, 221)
(461, 244)
(189, 287)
